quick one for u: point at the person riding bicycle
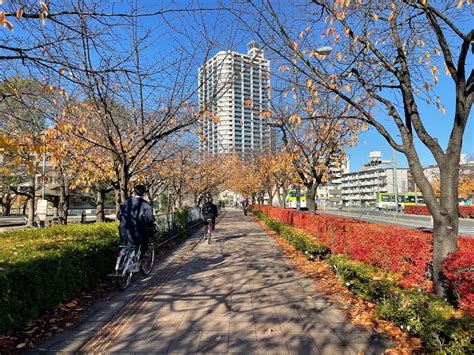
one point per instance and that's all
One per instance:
(137, 222)
(209, 211)
(245, 206)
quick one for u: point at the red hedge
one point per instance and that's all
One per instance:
(395, 249)
(463, 211)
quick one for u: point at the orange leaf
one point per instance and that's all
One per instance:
(19, 13)
(295, 46)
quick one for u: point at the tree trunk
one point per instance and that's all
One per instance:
(271, 194)
(55, 207)
(118, 200)
(99, 212)
(445, 223)
(31, 202)
(6, 206)
(285, 195)
(63, 205)
(123, 183)
(310, 197)
(444, 211)
(280, 199)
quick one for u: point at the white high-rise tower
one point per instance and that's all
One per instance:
(234, 89)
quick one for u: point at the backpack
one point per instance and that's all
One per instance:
(207, 209)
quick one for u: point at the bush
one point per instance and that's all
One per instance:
(466, 211)
(458, 270)
(394, 249)
(441, 328)
(42, 268)
(310, 248)
(463, 211)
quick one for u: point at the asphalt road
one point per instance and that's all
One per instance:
(466, 226)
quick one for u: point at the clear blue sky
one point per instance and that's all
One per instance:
(224, 32)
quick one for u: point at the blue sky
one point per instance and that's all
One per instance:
(227, 35)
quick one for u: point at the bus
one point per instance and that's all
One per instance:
(291, 199)
(386, 200)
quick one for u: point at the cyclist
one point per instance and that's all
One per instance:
(245, 206)
(209, 211)
(137, 222)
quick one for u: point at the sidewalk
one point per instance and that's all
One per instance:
(237, 295)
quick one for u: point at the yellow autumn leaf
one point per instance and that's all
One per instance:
(375, 16)
(44, 8)
(295, 46)
(459, 4)
(9, 25)
(347, 88)
(309, 83)
(62, 71)
(19, 13)
(435, 79)
(339, 55)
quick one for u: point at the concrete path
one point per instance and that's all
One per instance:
(237, 295)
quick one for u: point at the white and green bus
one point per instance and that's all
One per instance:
(292, 198)
(386, 200)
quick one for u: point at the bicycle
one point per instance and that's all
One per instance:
(209, 230)
(129, 262)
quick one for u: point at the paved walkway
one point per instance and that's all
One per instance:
(237, 295)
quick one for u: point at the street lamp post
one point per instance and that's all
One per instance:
(395, 181)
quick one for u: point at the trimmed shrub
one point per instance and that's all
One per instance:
(466, 211)
(463, 211)
(441, 328)
(310, 248)
(458, 269)
(42, 268)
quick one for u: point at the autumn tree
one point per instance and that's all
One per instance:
(98, 59)
(8, 185)
(316, 129)
(242, 177)
(387, 59)
(284, 175)
(24, 113)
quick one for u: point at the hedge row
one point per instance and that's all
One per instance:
(402, 251)
(441, 328)
(42, 268)
(463, 211)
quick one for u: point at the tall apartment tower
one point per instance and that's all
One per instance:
(234, 90)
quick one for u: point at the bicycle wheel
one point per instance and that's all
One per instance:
(124, 278)
(146, 264)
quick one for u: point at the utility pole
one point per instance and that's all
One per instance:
(395, 181)
(44, 176)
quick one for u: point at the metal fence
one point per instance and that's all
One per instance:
(171, 225)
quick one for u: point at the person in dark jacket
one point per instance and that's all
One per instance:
(137, 222)
(209, 211)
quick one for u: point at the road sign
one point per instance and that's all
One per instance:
(42, 209)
